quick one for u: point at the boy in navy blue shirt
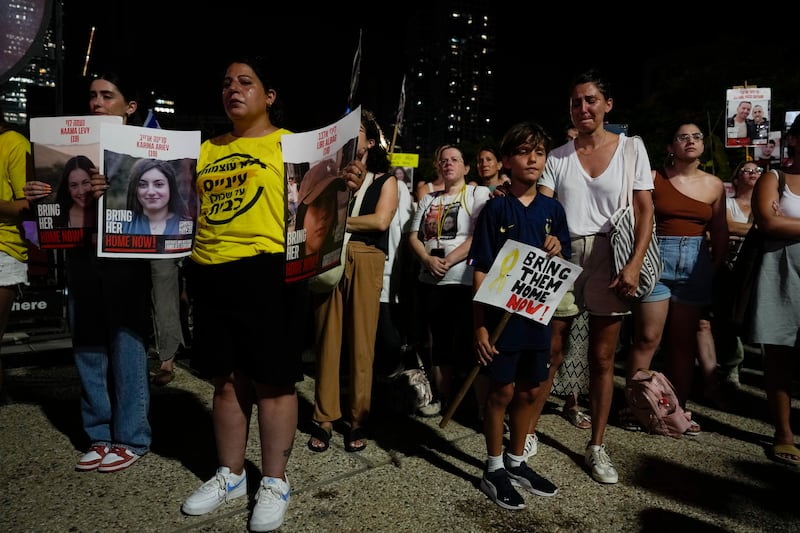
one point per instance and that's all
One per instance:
(517, 363)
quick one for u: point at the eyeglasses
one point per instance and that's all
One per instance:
(752, 171)
(454, 160)
(684, 137)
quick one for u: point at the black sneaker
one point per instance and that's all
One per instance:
(497, 486)
(524, 477)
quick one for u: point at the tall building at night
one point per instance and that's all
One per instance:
(28, 55)
(450, 88)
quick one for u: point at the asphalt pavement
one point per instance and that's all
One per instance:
(414, 475)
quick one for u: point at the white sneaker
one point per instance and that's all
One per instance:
(531, 447)
(118, 458)
(221, 488)
(600, 463)
(92, 458)
(272, 500)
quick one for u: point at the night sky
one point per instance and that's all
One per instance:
(538, 53)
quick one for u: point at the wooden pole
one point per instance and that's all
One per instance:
(473, 373)
(88, 52)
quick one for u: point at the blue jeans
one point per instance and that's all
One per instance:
(109, 314)
(120, 419)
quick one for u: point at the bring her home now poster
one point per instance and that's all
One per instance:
(64, 149)
(150, 207)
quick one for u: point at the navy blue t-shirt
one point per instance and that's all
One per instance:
(506, 218)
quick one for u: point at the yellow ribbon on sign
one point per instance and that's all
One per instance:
(505, 267)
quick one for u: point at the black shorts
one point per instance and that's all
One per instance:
(531, 366)
(246, 318)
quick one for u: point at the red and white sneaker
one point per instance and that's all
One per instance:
(117, 459)
(92, 458)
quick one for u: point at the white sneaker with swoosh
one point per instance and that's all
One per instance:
(223, 487)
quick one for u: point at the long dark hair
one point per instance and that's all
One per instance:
(377, 156)
(79, 162)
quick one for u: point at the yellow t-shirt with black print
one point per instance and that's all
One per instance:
(240, 186)
(15, 152)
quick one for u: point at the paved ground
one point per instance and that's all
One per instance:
(413, 477)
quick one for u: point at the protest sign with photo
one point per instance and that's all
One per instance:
(316, 196)
(150, 207)
(64, 151)
(748, 116)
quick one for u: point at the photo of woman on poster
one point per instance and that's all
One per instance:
(75, 193)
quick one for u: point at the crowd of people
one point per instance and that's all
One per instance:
(558, 197)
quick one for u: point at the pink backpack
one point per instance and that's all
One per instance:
(654, 403)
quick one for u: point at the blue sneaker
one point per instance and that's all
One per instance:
(221, 488)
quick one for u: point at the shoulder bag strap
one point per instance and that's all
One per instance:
(629, 157)
(361, 192)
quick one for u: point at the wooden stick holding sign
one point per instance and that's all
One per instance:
(525, 281)
(473, 373)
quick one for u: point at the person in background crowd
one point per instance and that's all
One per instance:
(402, 176)
(516, 363)
(689, 204)
(739, 216)
(108, 339)
(350, 311)
(587, 176)
(15, 169)
(489, 168)
(774, 322)
(392, 337)
(234, 328)
(437, 184)
(445, 276)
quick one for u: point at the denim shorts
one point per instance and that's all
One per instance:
(688, 271)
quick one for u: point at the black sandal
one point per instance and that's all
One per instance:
(322, 435)
(352, 436)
